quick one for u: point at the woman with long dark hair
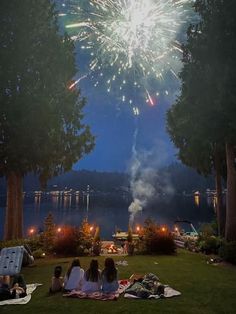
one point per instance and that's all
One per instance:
(74, 276)
(109, 276)
(92, 278)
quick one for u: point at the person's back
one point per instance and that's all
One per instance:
(74, 276)
(92, 278)
(109, 276)
(57, 280)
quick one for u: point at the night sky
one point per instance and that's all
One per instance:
(113, 122)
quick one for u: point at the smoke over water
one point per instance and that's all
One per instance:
(141, 183)
(146, 183)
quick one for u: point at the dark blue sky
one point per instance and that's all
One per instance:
(113, 123)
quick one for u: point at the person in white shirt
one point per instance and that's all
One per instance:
(92, 278)
(74, 276)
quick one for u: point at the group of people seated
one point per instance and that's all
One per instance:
(91, 280)
(12, 290)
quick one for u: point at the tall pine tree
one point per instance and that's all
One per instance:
(205, 111)
(40, 118)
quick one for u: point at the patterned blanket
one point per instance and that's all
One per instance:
(123, 285)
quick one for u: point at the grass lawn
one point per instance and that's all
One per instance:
(206, 289)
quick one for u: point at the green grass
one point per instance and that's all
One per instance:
(206, 289)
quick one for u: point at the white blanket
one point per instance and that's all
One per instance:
(30, 288)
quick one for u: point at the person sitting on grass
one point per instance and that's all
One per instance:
(57, 280)
(92, 278)
(74, 276)
(5, 293)
(109, 276)
(18, 289)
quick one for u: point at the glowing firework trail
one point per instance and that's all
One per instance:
(77, 81)
(150, 100)
(134, 40)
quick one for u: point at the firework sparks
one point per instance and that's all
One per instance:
(132, 41)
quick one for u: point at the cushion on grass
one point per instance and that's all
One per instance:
(11, 260)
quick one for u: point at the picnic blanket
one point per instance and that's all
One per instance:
(123, 285)
(30, 289)
(168, 293)
(149, 287)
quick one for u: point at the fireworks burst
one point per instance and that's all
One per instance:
(131, 43)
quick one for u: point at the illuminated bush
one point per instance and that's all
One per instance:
(73, 241)
(66, 243)
(157, 240)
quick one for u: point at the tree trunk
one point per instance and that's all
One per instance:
(230, 227)
(220, 211)
(14, 207)
(19, 201)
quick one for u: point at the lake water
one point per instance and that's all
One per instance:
(72, 209)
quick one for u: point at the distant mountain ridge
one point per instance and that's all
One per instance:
(180, 177)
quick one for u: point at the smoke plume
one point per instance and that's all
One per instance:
(146, 183)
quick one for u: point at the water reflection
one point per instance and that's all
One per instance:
(109, 213)
(37, 202)
(197, 199)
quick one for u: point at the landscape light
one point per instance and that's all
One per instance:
(31, 231)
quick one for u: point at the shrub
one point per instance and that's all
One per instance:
(73, 241)
(34, 243)
(11, 243)
(208, 230)
(48, 236)
(157, 240)
(97, 248)
(67, 242)
(228, 251)
(38, 253)
(209, 245)
(191, 245)
(160, 243)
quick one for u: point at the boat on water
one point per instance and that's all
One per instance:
(122, 236)
(181, 237)
(38, 193)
